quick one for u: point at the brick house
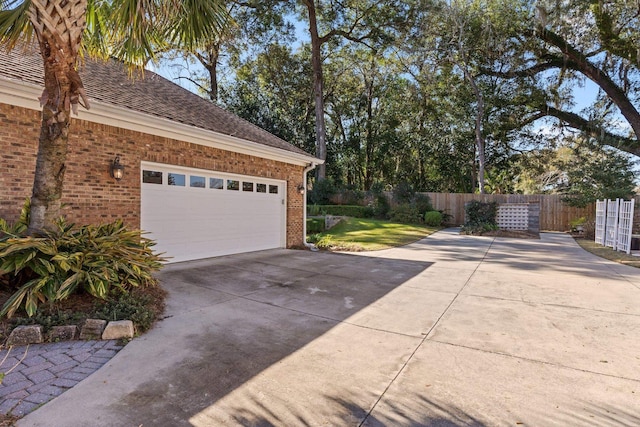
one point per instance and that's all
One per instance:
(202, 181)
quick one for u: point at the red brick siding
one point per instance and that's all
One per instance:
(92, 196)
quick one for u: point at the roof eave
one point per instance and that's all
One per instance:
(25, 95)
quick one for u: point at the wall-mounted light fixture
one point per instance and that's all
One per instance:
(301, 189)
(117, 169)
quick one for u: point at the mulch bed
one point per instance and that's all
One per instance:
(78, 306)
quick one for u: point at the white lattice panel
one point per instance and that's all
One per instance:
(625, 225)
(611, 230)
(513, 216)
(601, 220)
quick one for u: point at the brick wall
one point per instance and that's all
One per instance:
(92, 196)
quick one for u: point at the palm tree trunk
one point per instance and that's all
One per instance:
(58, 27)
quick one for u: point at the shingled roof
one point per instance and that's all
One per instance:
(109, 82)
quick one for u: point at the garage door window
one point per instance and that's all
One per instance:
(197, 181)
(216, 183)
(232, 184)
(261, 188)
(151, 177)
(247, 186)
(273, 189)
(176, 179)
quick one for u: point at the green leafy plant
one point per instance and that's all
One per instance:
(314, 210)
(480, 217)
(315, 225)
(142, 308)
(433, 218)
(403, 193)
(322, 192)
(405, 213)
(422, 203)
(380, 204)
(19, 227)
(95, 259)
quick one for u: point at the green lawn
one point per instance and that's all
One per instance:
(360, 234)
(608, 253)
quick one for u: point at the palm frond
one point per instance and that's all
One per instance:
(14, 22)
(194, 23)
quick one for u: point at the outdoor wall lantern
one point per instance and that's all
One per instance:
(301, 189)
(117, 169)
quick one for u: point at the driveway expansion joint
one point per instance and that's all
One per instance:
(538, 361)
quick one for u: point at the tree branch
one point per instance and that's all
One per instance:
(629, 145)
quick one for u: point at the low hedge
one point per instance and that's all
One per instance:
(315, 225)
(347, 210)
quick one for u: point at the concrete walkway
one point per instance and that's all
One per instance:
(451, 330)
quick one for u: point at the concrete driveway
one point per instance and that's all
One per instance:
(448, 331)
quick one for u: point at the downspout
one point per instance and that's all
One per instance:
(304, 207)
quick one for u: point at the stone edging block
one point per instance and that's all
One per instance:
(118, 329)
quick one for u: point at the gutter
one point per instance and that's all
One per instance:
(311, 246)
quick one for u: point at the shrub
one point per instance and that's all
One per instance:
(480, 217)
(480, 213)
(380, 205)
(314, 210)
(403, 193)
(433, 218)
(348, 210)
(142, 308)
(322, 192)
(478, 228)
(315, 225)
(405, 213)
(422, 203)
(95, 259)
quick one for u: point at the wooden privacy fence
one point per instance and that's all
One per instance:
(555, 215)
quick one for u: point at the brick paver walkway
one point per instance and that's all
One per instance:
(48, 370)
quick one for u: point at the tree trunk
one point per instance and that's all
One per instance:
(59, 41)
(212, 69)
(480, 142)
(369, 139)
(318, 89)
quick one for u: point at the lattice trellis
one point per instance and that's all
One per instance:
(614, 223)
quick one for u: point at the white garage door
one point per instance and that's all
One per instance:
(195, 214)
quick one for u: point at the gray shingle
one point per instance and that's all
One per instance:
(149, 93)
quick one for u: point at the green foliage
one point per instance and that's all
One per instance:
(380, 205)
(314, 210)
(322, 192)
(478, 228)
(141, 308)
(592, 173)
(348, 210)
(95, 259)
(422, 203)
(19, 227)
(315, 225)
(49, 318)
(577, 222)
(480, 217)
(403, 193)
(405, 213)
(480, 213)
(433, 218)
